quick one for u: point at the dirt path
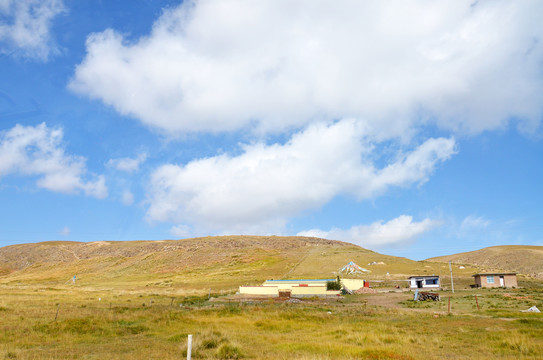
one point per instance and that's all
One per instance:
(311, 251)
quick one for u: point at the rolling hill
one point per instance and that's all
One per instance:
(523, 259)
(202, 264)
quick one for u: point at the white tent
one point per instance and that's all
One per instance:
(352, 268)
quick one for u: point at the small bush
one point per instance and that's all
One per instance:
(333, 285)
(227, 351)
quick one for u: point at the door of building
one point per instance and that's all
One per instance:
(502, 281)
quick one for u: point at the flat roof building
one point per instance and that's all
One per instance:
(492, 280)
(424, 281)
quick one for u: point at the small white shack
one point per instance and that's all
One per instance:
(424, 282)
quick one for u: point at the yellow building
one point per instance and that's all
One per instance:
(299, 287)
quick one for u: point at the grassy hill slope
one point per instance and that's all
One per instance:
(198, 265)
(519, 258)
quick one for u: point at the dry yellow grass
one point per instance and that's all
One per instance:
(139, 300)
(116, 324)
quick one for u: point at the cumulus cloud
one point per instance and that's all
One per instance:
(37, 151)
(396, 231)
(221, 65)
(127, 164)
(264, 185)
(25, 26)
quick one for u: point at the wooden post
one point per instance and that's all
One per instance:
(477, 302)
(189, 347)
(452, 282)
(171, 304)
(449, 304)
(58, 308)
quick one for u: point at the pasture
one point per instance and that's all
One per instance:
(71, 322)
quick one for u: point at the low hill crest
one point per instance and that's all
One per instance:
(523, 259)
(17, 257)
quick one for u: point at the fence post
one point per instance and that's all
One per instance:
(449, 304)
(189, 347)
(477, 302)
(58, 308)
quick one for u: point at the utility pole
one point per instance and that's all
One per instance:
(452, 282)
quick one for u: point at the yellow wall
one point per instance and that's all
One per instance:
(353, 284)
(259, 290)
(309, 290)
(289, 285)
(295, 290)
(312, 290)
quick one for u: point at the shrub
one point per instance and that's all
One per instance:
(228, 351)
(333, 285)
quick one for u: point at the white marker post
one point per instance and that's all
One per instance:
(189, 347)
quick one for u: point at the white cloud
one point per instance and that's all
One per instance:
(127, 198)
(399, 230)
(222, 65)
(26, 26)
(127, 164)
(37, 151)
(266, 184)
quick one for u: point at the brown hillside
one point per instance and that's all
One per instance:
(216, 262)
(18, 257)
(523, 259)
(196, 265)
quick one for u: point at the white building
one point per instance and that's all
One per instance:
(424, 282)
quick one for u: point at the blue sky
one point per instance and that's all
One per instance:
(412, 128)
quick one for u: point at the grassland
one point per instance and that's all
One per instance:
(78, 323)
(140, 300)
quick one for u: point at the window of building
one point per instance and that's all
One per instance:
(431, 281)
(490, 279)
